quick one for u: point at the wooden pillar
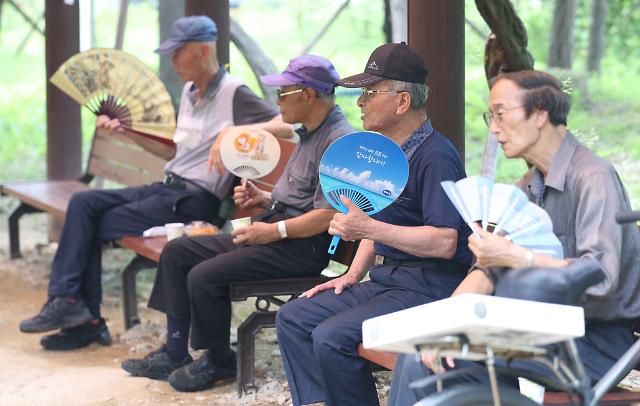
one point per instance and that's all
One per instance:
(436, 30)
(218, 10)
(64, 135)
(64, 138)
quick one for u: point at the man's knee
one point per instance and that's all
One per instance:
(287, 316)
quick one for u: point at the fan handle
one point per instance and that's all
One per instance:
(334, 244)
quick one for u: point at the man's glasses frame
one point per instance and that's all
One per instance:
(496, 117)
(281, 94)
(365, 92)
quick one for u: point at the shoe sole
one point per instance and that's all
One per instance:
(212, 384)
(66, 324)
(54, 347)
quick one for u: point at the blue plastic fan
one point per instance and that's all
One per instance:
(366, 167)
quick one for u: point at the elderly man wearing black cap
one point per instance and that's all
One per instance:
(212, 102)
(415, 250)
(288, 239)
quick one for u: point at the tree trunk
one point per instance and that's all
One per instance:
(562, 34)
(596, 35)
(386, 26)
(399, 19)
(168, 12)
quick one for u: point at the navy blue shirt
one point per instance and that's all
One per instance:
(423, 201)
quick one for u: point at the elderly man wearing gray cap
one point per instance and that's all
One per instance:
(288, 239)
(212, 102)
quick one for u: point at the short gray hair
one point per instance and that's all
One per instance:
(325, 97)
(419, 92)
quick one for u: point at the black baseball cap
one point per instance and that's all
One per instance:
(390, 61)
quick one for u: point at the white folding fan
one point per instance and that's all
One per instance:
(506, 209)
(119, 85)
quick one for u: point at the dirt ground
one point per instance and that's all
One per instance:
(92, 376)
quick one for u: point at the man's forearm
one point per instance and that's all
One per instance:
(422, 241)
(475, 282)
(362, 261)
(276, 127)
(157, 148)
(309, 224)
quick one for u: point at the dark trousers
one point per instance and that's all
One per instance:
(96, 216)
(602, 345)
(192, 282)
(318, 337)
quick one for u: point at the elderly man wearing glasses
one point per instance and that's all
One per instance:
(581, 193)
(415, 250)
(288, 239)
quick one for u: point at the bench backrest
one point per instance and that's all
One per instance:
(118, 158)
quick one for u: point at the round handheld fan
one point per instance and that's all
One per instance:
(366, 167)
(250, 153)
(507, 209)
(117, 84)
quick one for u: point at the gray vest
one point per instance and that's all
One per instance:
(197, 128)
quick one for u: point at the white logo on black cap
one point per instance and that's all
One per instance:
(373, 66)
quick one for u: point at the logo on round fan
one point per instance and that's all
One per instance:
(245, 143)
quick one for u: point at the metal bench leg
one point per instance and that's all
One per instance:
(129, 298)
(14, 229)
(247, 347)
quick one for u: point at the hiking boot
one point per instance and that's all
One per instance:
(202, 374)
(155, 365)
(57, 313)
(80, 336)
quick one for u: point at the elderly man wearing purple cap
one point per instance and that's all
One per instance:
(288, 239)
(212, 102)
(415, 250)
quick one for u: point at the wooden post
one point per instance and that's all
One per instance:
(218, 10)
(436, 30)
(64, 136)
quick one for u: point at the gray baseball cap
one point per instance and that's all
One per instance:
(188, 29)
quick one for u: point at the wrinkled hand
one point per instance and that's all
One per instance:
(351, 226)
(109, 124)
(215, 160)
(338, 285)
(248, 196)
(492, 250)
(430, 361)
(256, 233)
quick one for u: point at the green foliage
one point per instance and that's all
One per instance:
(603, 112)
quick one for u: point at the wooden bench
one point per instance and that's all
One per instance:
(618, 396)
(113, 158)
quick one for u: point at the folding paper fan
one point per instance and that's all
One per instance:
(250, 153)
(117, 84)
(367, 168)
(506, 209)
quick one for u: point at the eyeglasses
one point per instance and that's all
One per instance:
(496, 117)
(366, 92)
(281, 94)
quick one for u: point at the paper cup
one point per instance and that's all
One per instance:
(241, 222)
(174, 230)
(531, 390)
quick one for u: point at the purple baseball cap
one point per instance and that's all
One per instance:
(188, 29)
(307, 70)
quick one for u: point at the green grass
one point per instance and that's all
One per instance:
(603, 111)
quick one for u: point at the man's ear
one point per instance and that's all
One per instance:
(542, 117)
(405, 103)
(204, 50)
(311, 94)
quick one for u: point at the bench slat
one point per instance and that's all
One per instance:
(107, 150)
(50, 196)
(121, 174)
(147, 247)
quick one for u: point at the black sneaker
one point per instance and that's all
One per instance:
(57, 313)
(155, 365)
(202, 374)
(80, 336)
